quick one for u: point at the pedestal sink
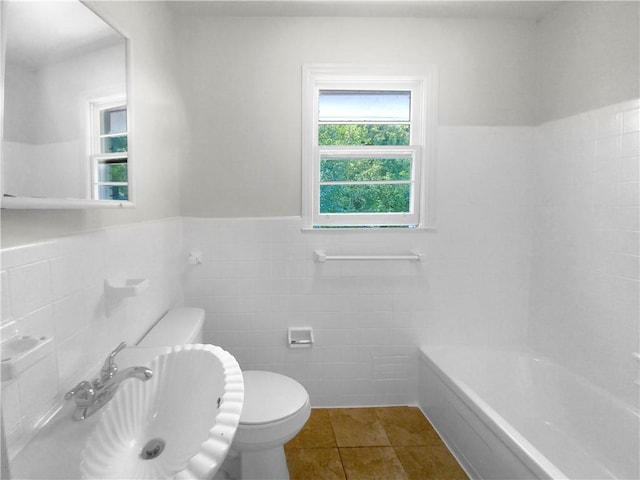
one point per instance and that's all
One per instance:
(178, 424)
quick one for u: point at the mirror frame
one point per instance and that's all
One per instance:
(51, 203)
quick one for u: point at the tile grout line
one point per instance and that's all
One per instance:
(335, 440)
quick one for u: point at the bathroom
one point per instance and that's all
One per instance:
(532, 238)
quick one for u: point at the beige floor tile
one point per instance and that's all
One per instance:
(430, 462)
(314, 464)
(372, 463)
(317, 432)
(407, 426)
(390, 443)
(357, 427)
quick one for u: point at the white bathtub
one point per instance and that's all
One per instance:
(512, 415)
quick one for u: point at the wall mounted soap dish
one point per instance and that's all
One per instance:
(126, 287)
(20, 352)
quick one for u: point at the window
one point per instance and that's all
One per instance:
(109, 150)
(366, 145)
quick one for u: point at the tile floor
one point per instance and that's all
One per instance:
(388, 443)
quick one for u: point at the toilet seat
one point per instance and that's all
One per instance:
(270, 397)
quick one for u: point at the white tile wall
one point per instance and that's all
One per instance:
(259, 277)
(584, 300)
(56, 289)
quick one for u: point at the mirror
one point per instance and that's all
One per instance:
(65, 136)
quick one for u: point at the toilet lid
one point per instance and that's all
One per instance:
(269, 397)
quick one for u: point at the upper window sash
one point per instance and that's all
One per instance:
(414, 86)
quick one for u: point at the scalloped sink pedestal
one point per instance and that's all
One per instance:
(179, 424)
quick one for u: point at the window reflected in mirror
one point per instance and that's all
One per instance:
(109, 157)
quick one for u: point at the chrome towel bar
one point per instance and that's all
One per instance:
(320, 256)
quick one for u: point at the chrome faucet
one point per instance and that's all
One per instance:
(92, 396)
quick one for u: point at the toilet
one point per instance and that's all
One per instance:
(275, 407)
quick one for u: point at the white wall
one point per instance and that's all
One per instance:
(54, 95)
(58, 170)
(585, 263)
(21, 105)
(586, 57)
(242, 89)
(584, 283)
(56, 289)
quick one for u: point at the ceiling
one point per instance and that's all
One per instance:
(41, 32)
(59, 28)
(524, 9)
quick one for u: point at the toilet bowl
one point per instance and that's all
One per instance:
(275, 408)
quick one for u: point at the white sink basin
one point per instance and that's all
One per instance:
(179, 424)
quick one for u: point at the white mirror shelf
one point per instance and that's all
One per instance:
(27, 203)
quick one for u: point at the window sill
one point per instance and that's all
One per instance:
(37, 203)
(369, 229)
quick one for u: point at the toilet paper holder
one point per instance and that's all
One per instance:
(300, 337)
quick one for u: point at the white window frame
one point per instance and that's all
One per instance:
(421, 81)
(96, 106)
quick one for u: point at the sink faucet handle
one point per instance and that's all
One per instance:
(109, 369)
(83, 392)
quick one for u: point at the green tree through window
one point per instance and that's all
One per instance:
(363, 134)
(367, 198)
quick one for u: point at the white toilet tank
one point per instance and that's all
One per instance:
(179, 326)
